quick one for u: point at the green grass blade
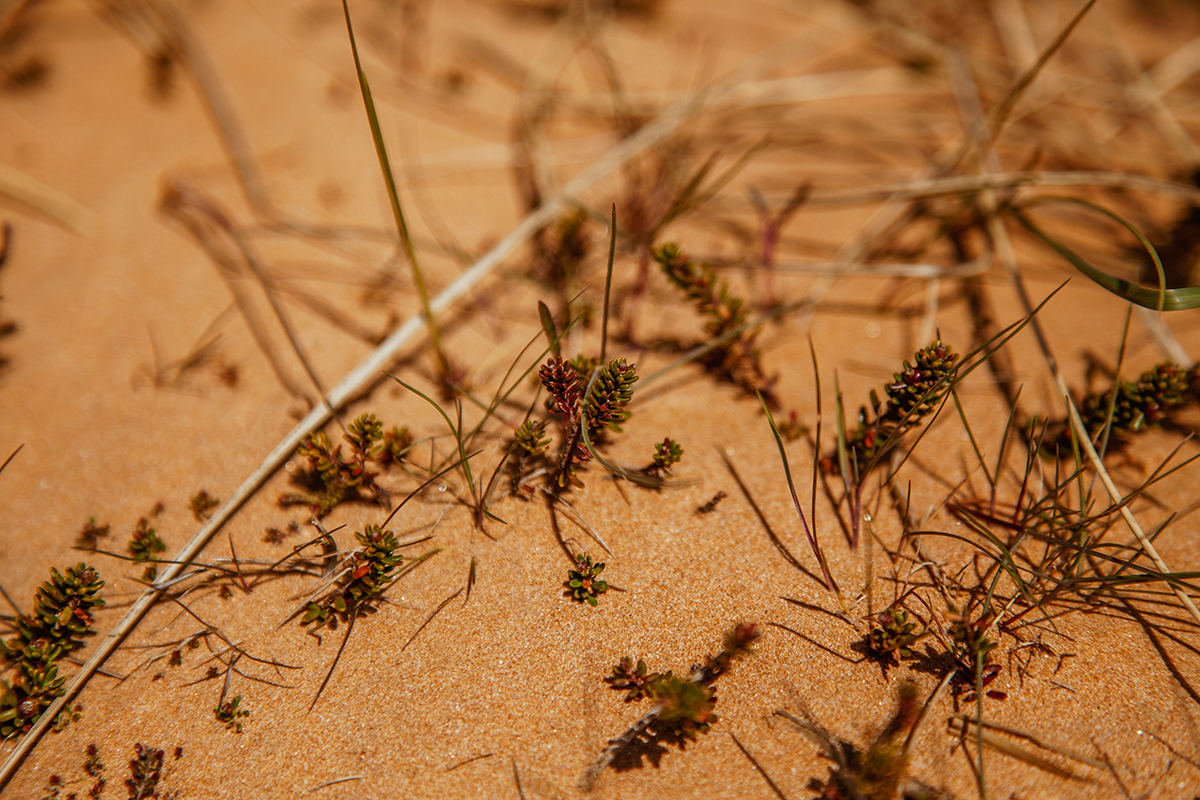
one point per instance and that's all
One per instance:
(787, 472)
(457, 432)
(389, 180)
(612, 252)
(548, 326)
(1161, 299)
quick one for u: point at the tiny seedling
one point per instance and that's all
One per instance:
(667, 454)
(93, 769)
(275, 535)
(972, 652)
(583, 582)
(892, 636)
(146, 772)
(91, 534)
(395, 445)
(202, 505)
(230, 713)
(145, 545)
(635, 681)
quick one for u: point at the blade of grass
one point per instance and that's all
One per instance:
(612, 251)
(548, 326)
(1161, 299)
(830, 584)
(394, 198)
(460, 442)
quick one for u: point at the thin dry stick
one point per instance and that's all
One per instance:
(32, 195)
(966, 726)
(337, 781)
(1000, 114)
(1142, 89)
(968, 184)
(1153, 322)
(646, 138)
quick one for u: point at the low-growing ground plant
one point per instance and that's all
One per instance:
(60, 618)
(146, 546)
(1111, 417)
(684, 706)
(147, 769)
(202, 505)
(735, 358)
(583, 582)
(333, 478)
(230, 713)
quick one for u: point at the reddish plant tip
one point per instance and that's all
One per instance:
(744, 634)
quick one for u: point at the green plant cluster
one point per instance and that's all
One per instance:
(1132, 406)
(374, 564)
(913, 394)
(969, 637)
(667, 454)
(62, 614)
(636, 681)
(333, 477)
(91, 533)
(531, 437)
(202, 504)
(879, 772)
(972, 650)
(604, 409)
(145, 545)
(892, 636)
(583, 581)
(736, 360)
(145, 772)
(230, 714)
(93, 769)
